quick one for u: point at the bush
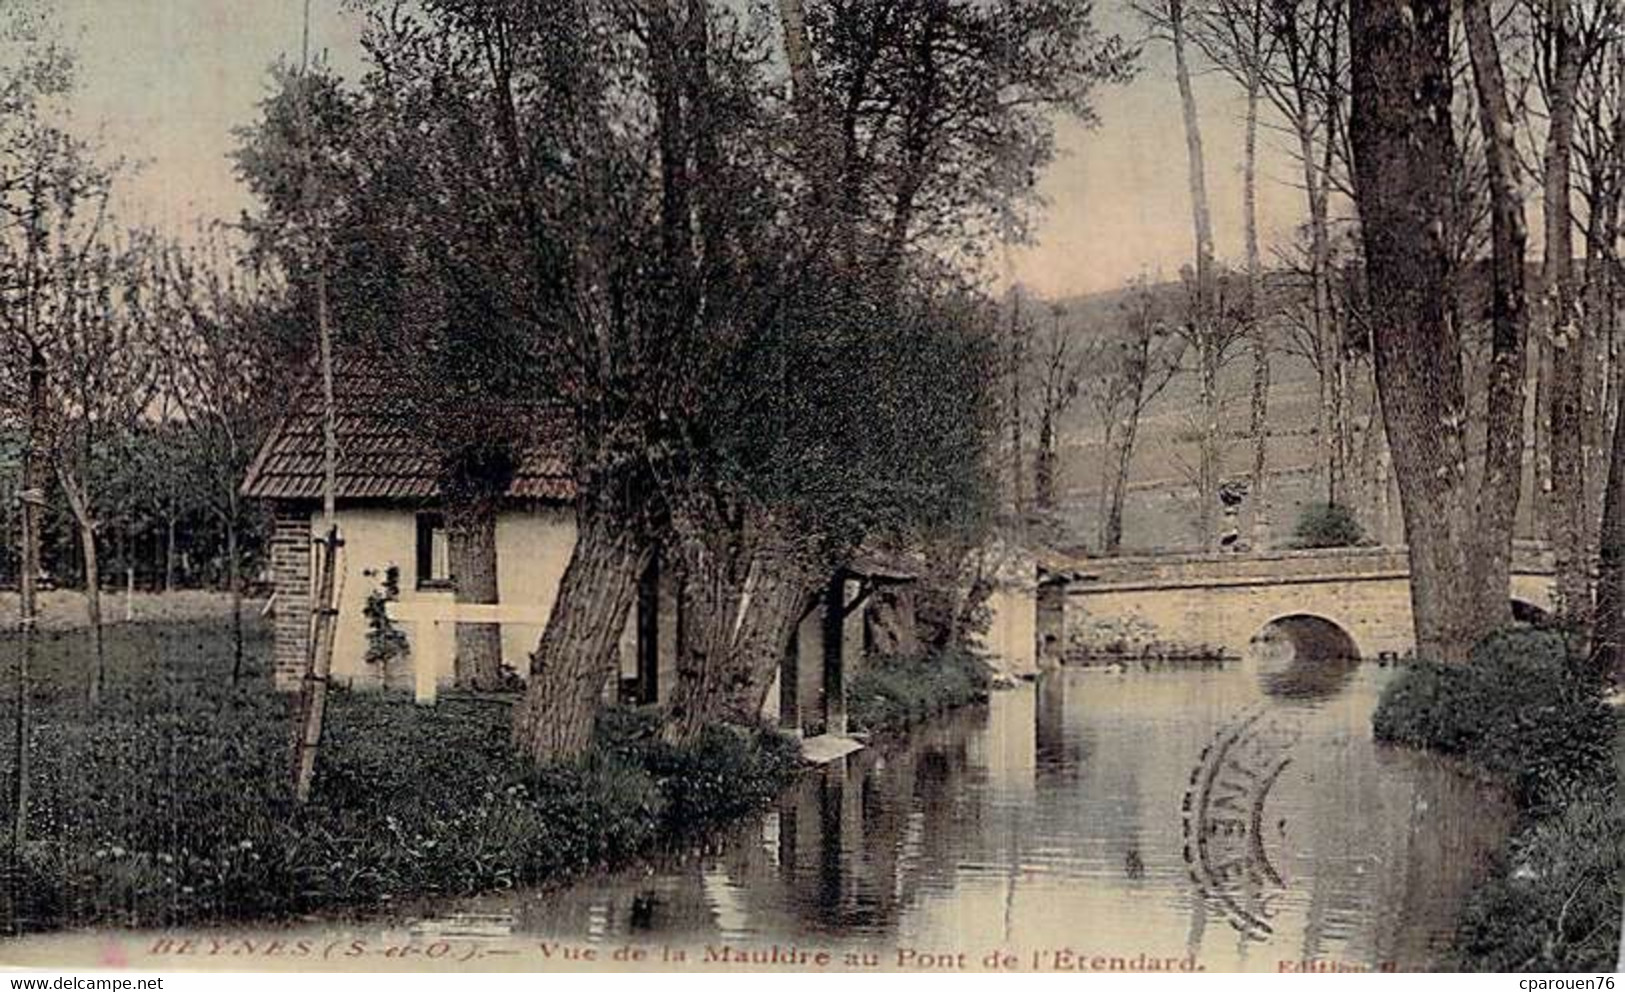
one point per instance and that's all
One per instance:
(170, 804)
(1518, 712)
(893, 692)
(1327, 525)
(1554, 905)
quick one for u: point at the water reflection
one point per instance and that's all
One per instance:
(1304, 657)
(1062, 815)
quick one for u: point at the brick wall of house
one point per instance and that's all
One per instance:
(290, 571)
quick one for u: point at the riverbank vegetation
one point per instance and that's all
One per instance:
(893, 692)
(169, 803)
(1524, 714)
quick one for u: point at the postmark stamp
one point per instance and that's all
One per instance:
(1228, 835)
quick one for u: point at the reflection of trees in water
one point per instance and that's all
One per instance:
(1375, 853)
(859, 838)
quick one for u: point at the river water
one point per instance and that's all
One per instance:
(1236, 817)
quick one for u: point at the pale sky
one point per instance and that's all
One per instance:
(165, 81)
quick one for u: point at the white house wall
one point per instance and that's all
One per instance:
(533, 547)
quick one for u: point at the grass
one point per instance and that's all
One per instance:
(64, 609)
(169, 803)
(891, 693)
(1516, 713)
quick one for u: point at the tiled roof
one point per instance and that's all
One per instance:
(380, 457)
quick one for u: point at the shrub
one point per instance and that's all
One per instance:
(890, 693)
(385, 641)
(170, 804)
(1515, 710)
(1327, 525)
(1554, 905)
(1518, 711)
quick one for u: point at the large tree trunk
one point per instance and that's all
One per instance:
(471, 527)
(764, 635)
(1608, 637)
(739, 612)
(1608, 634)
(1502, 481)
(1567, 331)
(1402, 143)
(577, 651)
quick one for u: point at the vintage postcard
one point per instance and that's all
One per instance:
(1085, 486)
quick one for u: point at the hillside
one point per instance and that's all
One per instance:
(1161, 511)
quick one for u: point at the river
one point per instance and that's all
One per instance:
(1228, 818)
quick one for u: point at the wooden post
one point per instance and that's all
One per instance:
(834, 656)
(426, 663)
(790, 685)
(314, 702)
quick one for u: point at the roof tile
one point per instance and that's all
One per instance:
(379, 455)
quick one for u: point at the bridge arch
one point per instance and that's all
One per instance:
(1304, 656)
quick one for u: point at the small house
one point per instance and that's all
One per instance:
(392, 523)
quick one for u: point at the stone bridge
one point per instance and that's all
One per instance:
(1355, 602)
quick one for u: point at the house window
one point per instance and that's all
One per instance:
(434, 552)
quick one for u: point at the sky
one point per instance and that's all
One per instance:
(164, 82)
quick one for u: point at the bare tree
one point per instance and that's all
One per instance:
(1057, 364)
(1205, 337)
(208, 329)
(1126, 370)
(71, 291)
(1234, 35)
(103, 374)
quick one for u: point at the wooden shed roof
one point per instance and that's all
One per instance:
(380, 456)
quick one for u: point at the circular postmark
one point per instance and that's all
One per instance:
(1227, 848)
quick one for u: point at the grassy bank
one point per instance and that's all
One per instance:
(1517, 715)
(891, 693)
(169, 803)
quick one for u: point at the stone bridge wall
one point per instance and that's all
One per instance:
(1185, 604)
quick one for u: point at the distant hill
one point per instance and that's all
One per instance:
(1161, 511)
